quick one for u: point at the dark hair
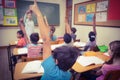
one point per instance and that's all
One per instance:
(52, 28)
(29, 12)
(21, 33)
(34, 37)
(73, 30)
(67, 38)
(66, 56)
(115, 51)
(92, 36)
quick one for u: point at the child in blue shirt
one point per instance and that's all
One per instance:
(56, 65)
(52, 36)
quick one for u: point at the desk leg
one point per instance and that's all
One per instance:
(10, 61)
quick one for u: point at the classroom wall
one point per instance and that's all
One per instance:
(104, 34)
(8, 34)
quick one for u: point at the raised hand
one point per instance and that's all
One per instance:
(21, 21)
(35, 8)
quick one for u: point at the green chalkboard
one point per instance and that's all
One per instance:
(50, 10)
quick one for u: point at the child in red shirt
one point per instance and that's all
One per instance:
(21, 41)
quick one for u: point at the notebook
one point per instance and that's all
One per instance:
(56, 46)
(79, 44)
(89, 60)
(33, 67)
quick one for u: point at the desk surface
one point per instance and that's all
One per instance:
(15, 52)
(79, 68)
(18, 75)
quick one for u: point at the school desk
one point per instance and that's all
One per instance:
(18, 75)
(79, 68)
(15, 52)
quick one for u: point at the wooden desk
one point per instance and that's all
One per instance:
(15, 52)
(13, 43)
(18, 75)
(79, 68)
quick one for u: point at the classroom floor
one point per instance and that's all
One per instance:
(4, 66)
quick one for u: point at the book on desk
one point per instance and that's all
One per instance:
(33, 67)
(89, 60)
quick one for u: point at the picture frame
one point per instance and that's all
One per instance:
(10, 12)
(1, 15)
(10, 4)
(0, 1)
(10, 21)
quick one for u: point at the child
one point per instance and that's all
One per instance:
(67, 39)
(113, 63)
(70, 31)
(21, 41)
(52, 36)
(55, 66)
(91, 44)
(29, 24)
(34, 48)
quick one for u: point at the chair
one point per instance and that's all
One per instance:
(113, 75)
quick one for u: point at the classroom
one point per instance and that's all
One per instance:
(78, 14)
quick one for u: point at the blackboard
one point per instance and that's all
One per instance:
(112, 16)
(50, 10)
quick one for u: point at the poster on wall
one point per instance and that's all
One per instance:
(10, 4)
(9, 12)
(101, 17)
(89, 17)
(10, 21)
(1, 15)
(81, 9)
(81, 17)
(90, 8)
(102, 6)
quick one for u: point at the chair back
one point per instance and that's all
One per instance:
(113, 75)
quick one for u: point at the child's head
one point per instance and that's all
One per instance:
(29, 14)
(52, 29)
(67, 38)
(34, 37)
(91, 36)
(20, 34)
(73, 30)
(65, 56)
(114, 50)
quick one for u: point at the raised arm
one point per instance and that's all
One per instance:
(94, 24)
(67, 27)
(44, 30)
(21, 25)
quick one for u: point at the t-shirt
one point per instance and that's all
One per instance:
(73, 36)
(107, 68)
(21, 42)
(89, 45)
(34, 50)
(53, 38)
(52, 71)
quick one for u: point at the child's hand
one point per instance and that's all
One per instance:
(34, 7)
(21, 21)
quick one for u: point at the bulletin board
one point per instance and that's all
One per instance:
(107, 13)
(8, 13)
